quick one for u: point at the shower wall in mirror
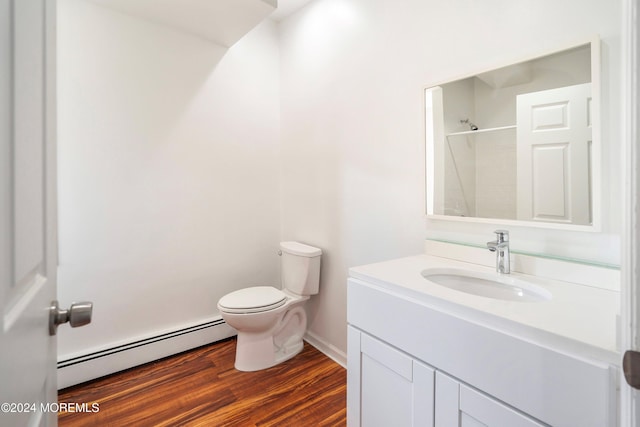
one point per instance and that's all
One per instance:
(518, 143)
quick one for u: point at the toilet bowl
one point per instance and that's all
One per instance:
(271, 322)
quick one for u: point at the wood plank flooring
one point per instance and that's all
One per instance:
(201, 388)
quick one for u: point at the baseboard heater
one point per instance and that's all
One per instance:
(75, 370)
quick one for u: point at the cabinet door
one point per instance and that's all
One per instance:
(460, 405)
(386, 387)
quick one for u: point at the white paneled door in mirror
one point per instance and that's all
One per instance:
(554, 137)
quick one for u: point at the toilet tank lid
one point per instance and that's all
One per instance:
(300, 249)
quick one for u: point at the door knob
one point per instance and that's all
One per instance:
(79, 314)
(631, 368)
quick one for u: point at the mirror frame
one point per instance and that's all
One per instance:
(596, 147)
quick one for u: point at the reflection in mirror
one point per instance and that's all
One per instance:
(516, 143)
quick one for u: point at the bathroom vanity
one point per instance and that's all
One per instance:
(424, 354)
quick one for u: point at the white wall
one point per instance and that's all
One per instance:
(496, 174)
(169, 172)
(352, 125)
(459, 151)
(170, 169)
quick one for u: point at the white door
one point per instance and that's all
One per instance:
(27, 212)
(630, 163)
(554, 144)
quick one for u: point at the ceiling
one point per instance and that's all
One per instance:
(287, 7)
(221, 21)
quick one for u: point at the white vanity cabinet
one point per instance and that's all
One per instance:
(414, 362)
(389, 388)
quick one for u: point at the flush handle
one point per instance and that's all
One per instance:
(79, 314)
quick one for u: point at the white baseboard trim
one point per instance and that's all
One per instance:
(90, 366)
(338, 356)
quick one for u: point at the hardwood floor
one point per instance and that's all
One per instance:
(201, 388)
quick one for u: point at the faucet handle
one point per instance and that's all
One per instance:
(502, 235)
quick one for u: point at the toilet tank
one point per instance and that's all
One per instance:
(300, 268)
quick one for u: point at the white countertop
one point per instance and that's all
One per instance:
(578, 318)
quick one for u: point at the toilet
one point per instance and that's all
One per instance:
(271, 322)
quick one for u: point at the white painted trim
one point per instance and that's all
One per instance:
(630, 295)
(596, 137)
(332, 352)
(94, 365)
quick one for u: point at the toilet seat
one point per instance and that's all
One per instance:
(252, 300)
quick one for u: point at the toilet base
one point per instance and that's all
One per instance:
(257, 351)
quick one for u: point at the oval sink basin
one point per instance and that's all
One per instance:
(503, 287)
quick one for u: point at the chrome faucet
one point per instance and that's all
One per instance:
(501, 247)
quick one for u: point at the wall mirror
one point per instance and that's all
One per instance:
(518, 143)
